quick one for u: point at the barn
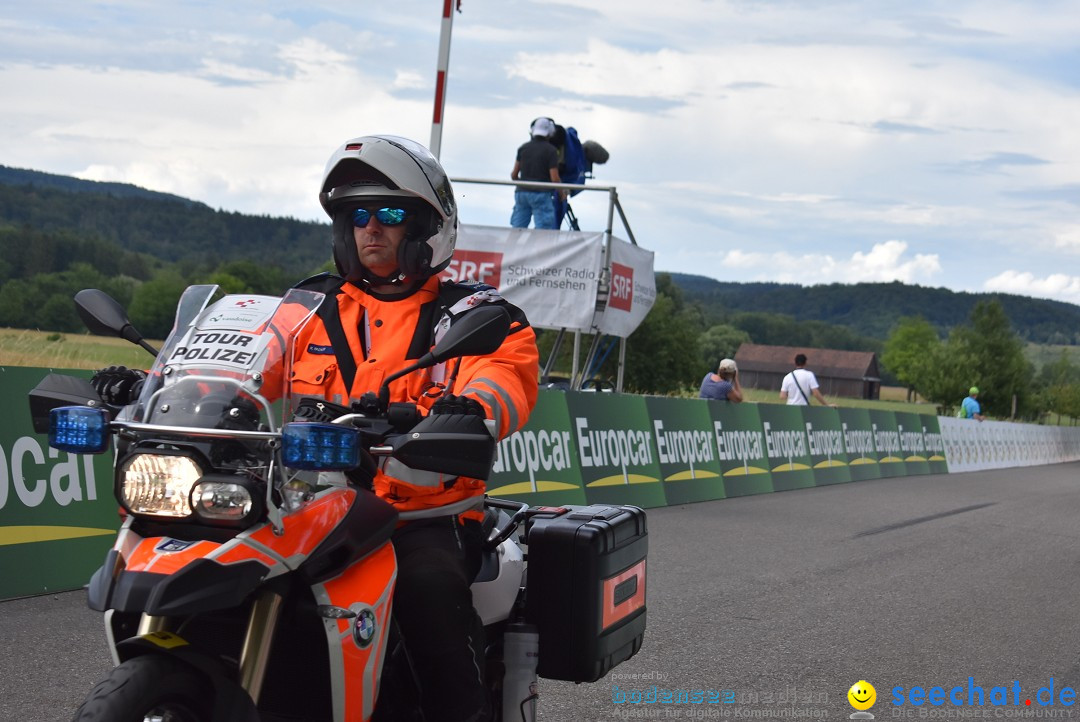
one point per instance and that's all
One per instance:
(853, 374)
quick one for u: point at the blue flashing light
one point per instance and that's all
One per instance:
(320, 447)
(79, 429)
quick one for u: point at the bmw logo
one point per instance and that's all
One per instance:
(364, 628)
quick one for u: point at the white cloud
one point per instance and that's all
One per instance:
(802, 133)
(409, 79)
(1058, 286)
(884, 262)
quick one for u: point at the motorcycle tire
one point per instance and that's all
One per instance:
(149, 688)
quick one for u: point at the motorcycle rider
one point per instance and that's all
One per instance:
(394, 227)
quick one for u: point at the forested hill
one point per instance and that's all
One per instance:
(24, 177)
(53, 227)
(167, 227)
(872, 309)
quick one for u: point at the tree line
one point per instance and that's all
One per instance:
(986, 353)
(874, 309)
(680, 341)
(59, 235)
(40, 272)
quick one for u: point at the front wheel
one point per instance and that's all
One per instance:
(149, 689)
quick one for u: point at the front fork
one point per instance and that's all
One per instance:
(258, 636)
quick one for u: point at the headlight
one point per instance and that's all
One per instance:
(222, 500)
(158, 485)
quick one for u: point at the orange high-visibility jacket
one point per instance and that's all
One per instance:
(385, 336)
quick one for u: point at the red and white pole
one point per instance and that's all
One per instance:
(440, 78)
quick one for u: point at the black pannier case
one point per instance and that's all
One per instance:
(585, 588)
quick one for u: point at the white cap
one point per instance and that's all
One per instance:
(543, 127)
(728, 364)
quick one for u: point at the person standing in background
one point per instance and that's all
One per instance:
(537, 160)
(800, 384)
(970, 408)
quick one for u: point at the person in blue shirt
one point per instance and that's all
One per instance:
(722, 385)
(971, 407)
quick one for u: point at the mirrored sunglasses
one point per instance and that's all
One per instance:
(385, 216)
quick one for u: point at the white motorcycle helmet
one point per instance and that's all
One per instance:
(377, 168)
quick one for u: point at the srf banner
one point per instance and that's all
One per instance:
(554, 276)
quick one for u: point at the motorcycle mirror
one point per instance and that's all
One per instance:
(105, 317)
(480, 331)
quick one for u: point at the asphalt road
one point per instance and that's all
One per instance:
(774, 606)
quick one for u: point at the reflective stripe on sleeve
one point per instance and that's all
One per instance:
(503, 396)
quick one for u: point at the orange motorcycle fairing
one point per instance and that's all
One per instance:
(308, 527)
(357, 644)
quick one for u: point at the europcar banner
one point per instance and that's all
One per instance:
(859, 444)
(740, 448)
(616, 449)
(825, 443)
(887, 443)
(539, 463)
(57, 512)
(58, 515)
(632, 289)
(918, 444)
(686, 450)
(553, 276)
(786, 446)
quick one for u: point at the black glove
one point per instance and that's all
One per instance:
(451, 404)
(312, 408)
(118, 385)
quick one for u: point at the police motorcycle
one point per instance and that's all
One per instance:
(252, 577)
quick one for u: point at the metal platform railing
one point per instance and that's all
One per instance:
(580, 372)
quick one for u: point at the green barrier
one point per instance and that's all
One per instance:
(741, 448)
(887, 441)
(58, 515)
(917, 443)
(859, 444)
(57, 512)
(616, 449)
(825, 441)
(539, 464)
(686, 450)
(786, 447)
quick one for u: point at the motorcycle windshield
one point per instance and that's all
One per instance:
(226, 362)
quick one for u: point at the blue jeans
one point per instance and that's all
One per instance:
(540, 205)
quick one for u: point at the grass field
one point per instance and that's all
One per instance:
(893, 398)
(20, 347)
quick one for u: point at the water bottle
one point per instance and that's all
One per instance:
(521, 650)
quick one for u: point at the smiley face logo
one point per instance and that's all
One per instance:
(862, 695)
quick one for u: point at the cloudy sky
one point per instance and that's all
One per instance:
(934, 142)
